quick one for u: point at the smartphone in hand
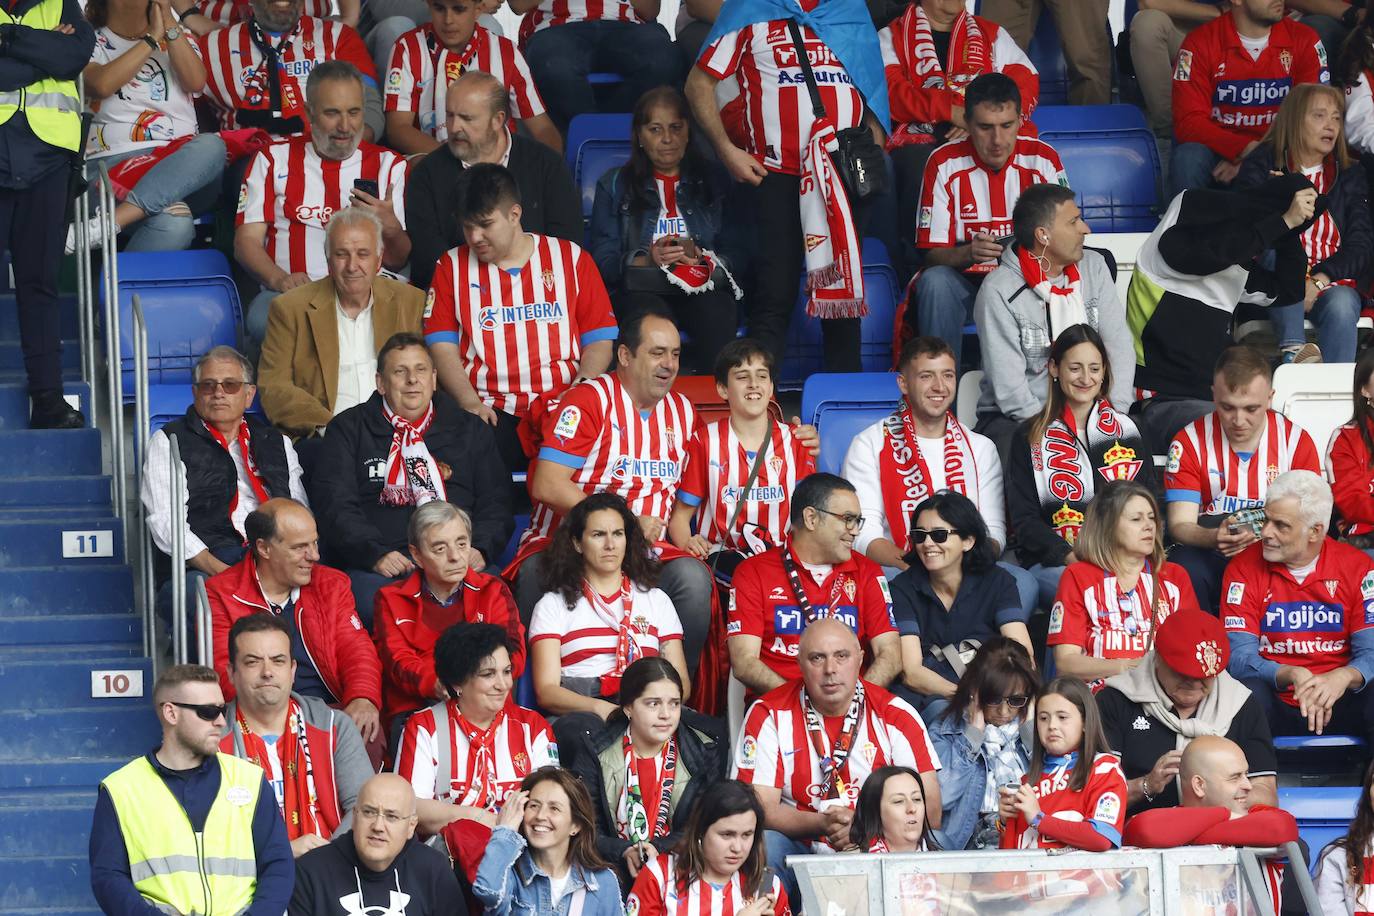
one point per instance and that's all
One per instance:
(367, 186)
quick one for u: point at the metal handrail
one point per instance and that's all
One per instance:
(143, 537)
(203, 634)
(113, 370)
(178, 495)
(85, 288)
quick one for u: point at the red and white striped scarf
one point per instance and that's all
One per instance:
(250, 467)
(412, 476)
(482, 791)
(834, 266)
(969, 55)
(1063, 304)
(626, 649)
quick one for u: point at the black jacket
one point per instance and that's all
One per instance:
(598, 761)
(350, 471)
(549, 202)
(212, 478)
(331, 881)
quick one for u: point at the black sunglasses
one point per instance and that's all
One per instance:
(207, 711)
(938, 535)
(1015, 701)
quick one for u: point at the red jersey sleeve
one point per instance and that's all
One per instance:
(403, 89)
(350, 47)
(574, 428)
(441, 311)
(695, 466)
(1309, 64)
(255, 195)
(646, 896)
(1178, 577)
(1352, 477)
(1243, 594)
(1104, 797)
(802, 459)
(1069, 616)
(1193, 86)
(1183, 469)
(359, 668)
(758, 760)
(875, 612)
(744, 614)
(1263, 826)
(722, 58)
(935, 220)
(1165, 828)
(1305, 457)
(595, 320)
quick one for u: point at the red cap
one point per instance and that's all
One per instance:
(1193, 643)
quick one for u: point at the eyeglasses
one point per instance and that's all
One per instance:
(938, 535)
(207, 711)
(849, 521)
(208, 386)
(1015, 701)
(391, 817)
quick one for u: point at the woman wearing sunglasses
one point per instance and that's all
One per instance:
(952, 598)
(1112, 600)
(984, 741)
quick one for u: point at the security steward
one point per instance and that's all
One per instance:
(44, 44)
(186, 829)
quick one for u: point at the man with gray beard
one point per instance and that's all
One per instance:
(293, 188)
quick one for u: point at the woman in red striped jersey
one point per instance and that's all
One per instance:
(1345, 868)
(890, 815)
(720, 868)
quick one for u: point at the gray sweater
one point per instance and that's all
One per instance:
(1014, 336)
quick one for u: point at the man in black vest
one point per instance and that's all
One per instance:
(233, 463)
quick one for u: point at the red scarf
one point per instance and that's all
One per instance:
(1364, 891)
(482, 791)
(626, 649)
(631, 816)
(412, 476)
(245, 441)
(300, 804)
(1063, 304)
(905, 477)
(834, 265)
(969, 55)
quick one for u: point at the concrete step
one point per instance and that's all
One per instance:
(39, 543)
(46, 824)
(47, 882)
(71, 631)
(50, 681)
(55, 493)
(14, 402)
(59, 774)
(67, 734)
(95, 588)
(48, 452)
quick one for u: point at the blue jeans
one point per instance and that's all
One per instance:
(561, 57)
(779, 847)
(255, 319)
(191, 175)
(1190, 166)
(1027, 588)
(1334, 313)
(1047, 580)
(944, 304)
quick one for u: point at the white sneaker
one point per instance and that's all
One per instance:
(95, 233)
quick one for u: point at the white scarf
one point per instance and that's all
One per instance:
(1064, 303)
(834, 265)
(1214, 713)
(412, 476)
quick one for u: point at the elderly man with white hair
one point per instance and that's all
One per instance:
(1298, 609)
(319, 356)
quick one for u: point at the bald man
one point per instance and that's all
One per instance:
(808, 807)
(378, 866)
(477, 121)
(281, 574)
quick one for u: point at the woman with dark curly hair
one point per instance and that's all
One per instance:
(600, 611)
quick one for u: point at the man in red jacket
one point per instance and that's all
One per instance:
(335, 659)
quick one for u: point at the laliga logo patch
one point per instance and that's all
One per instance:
(486, 319)
(568, 422)
(1235, 592)
(429, 303)
(1175, 457)
(1209, 657)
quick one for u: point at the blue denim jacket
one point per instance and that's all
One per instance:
(508, 882)
(616, 235)
(963, 776)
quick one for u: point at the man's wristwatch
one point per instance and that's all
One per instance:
(173, 33)
(150, 41)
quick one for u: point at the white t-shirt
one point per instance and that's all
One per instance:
(147, 111)
(357, 358)
(1254, 46)
(587, 640)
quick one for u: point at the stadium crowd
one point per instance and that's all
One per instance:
(1017, 635)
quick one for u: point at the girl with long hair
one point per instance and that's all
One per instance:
(542, 856)
(720, 867)
(657, 228)
(601, 610)
(648, 767)
(984, 740)
(1077, 441)
(890, 814)
(1072, 772)
(1343, 867)
(1350, 468)
(1114, 598)
(1308, 136)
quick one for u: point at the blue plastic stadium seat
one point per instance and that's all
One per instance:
(1068, 119)
(521, 523)
(1323, 813)
(1290, 743)
(1115, 173)
(168, 402)
(596, 144)
(841, 405)
(191, 305)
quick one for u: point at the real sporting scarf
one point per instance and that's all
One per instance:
(834, 265)
(1067, 464)
(250, 467)
(626, 649)
(969, 55)
(482, 791)
(700, 277)
(1063, 304)
(412, 476)
(631, 817)
(300, 804)
(831, 757)
(904, 476)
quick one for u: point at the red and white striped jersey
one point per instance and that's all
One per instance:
(612, 447)
(1102, 799)
(1203, 468)
(587, 641)
(521, 333)
(656, 892)
(776, 751)
(960, 196)
(777, 106)
(422, 68)
(295, 191)
(1092, 612)
(524, 743)
(715, 474)
(550, 13)
(236, 78)
(228, 12)
(1322, 239)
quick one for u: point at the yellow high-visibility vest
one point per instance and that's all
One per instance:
(52, 106)
(211, 873)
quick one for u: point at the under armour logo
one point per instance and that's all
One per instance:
(353, 905)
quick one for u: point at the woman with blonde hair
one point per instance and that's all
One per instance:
(1111, 602)
(1308, 136)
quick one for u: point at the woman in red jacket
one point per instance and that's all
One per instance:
(1350, 461)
